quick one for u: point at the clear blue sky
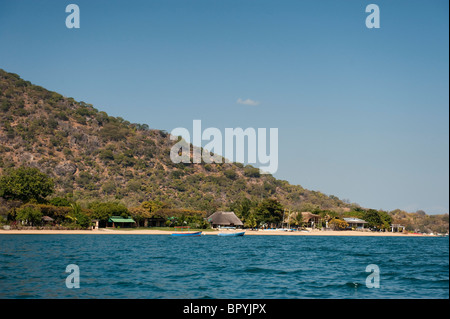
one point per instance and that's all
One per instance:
(362, 113)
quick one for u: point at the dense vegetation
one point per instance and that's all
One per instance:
(78, 161)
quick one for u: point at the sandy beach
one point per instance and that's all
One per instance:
(168, 232)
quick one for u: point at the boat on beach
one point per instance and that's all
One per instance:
(237, 234)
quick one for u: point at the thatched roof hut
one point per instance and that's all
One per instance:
(47, 219)
(224, 219)
(310, 217)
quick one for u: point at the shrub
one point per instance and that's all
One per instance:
(338, 224)
(30, 214)
(113, 132)
(106, 155)
(230, 173)
(60, 201)
(109, 187)
(251, 171)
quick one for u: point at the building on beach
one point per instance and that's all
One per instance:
(355, 223)
(155, 221)
(397, 228)
(224, 219)
(119, 221)
(47, 219)
(310, 219)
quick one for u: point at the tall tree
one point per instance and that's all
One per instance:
(242, 208)
(25, 184)
(269, 211)
(103, 211)
(373, 217)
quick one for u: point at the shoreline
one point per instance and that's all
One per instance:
(208, 233)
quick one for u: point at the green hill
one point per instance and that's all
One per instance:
(91, 155)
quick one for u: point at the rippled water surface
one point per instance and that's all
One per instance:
(269, 267)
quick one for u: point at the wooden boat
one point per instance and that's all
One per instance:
(186, 234)
(231, 234)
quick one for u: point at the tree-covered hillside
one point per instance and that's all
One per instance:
(91, 155)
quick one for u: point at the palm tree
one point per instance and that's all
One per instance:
(251, 221)
(75, 211)
(298, 221)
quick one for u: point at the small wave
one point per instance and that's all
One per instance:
(335, 285)
(292, 271)
(6, 256)
(438, 281)
(416, 280)
(260, 270)
(126, 284)
(360, 254)
(254, 270)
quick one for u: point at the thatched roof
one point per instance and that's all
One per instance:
(307, 216)
(225, 219)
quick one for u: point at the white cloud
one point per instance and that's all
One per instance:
(247, 102)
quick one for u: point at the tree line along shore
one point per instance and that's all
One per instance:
(27, 202)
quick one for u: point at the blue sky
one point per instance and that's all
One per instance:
(362, 113)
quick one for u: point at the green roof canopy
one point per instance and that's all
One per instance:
(119, 219)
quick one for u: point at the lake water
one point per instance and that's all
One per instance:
(268, 267)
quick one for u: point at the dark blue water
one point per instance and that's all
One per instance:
(269, 267)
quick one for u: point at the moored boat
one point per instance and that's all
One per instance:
(231, 234)
(186, 234)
